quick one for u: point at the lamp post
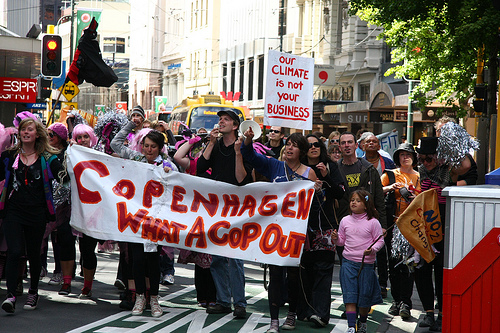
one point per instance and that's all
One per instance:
(409, 120)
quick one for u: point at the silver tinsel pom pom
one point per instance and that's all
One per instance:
(78, 119)
(400, 248)
(454, 144)
(108, 125)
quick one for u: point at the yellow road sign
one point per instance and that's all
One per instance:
(70, 90)
(73, 104)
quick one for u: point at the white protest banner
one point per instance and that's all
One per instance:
(389, 141)
(289, 91)
(125, 200)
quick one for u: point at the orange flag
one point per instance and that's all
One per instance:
(421, 225)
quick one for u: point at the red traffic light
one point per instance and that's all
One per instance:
(52, 44)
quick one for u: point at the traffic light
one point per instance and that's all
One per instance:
(481, 99)
(44, 88)
(51, 56)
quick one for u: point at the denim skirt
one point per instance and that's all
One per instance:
(363, 290)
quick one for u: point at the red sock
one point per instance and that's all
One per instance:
(67, 279)
(87, 284)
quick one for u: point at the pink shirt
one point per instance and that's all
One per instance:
(356, 234)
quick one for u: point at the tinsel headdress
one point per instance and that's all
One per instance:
(454, 144)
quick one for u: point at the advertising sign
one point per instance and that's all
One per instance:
(160, 103)
(18, 90)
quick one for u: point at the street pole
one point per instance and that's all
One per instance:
(409, 123)
(71, 32)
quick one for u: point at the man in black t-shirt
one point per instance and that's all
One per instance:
(223, 156)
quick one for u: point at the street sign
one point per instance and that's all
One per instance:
(70, 90)
(73, 104)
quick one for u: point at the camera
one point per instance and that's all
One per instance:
(405, 194)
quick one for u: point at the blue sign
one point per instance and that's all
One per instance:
(172, 66)
(40, 106)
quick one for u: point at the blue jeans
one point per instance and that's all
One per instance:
(229, 279)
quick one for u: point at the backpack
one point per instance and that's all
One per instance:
(390, 198)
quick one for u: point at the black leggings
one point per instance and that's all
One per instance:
(146, 264)
(275, 289)
(64, 234)
(87, 250)
(23, 239)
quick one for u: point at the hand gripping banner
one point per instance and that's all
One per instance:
(124, 200)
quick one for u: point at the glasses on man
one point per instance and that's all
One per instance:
(274, 131)
(427, 159)
(314, 144)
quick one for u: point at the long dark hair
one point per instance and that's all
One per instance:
(323, 153)
(301, 143)
(367, 199)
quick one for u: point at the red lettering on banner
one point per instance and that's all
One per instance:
(266, 208)
(251, 231)
(212, 233)
(233, 202)
(197, 231)
(170, 231)
(86, 196)
(126, 219)
(235, 236)
(285, 211)
(248, 203)
(304, 204)
(123, 184)
(177, 196)
(292, 249)
(210, 205)
(151, 189)
(150, 227)
(271, 230)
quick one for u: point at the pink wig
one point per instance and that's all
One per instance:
(81, 129)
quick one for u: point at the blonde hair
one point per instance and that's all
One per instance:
(41, 143)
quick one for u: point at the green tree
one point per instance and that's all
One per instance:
(437, 41)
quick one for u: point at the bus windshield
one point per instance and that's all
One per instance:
(206, 116)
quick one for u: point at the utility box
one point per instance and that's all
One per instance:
(471, 289)
(493, 177)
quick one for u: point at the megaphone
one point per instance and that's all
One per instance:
(255, 128)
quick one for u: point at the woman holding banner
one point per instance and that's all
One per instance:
(145, 257)
(26, 203)
(319, 252)
(296, 148)
(400, 185)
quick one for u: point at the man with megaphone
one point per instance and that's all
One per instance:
(223, 156)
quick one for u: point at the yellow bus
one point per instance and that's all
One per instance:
(201, 111)
(162, 115)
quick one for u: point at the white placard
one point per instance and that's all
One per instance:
(289, 91)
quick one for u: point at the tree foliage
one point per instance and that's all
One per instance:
(436, 41)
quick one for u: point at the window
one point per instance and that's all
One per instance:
(260, 87)
(242, 77)
(364, 91)
(282, 18)
(250, 78)
(224, 77)
(233, 74)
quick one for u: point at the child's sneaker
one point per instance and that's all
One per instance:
(32, 301)
(9, 305)
(361, 327)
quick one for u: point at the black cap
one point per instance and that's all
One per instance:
(230, 113)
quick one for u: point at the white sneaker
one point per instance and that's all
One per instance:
(156, 310)
(56, 279)
(140, 305)
(168, 279)
(351, 330)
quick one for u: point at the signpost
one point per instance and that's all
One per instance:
(70, 90)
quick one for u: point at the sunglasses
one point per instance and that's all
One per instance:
(428, 159)
(314, 144)
(334, 140)
(51, 134)
(274, 131)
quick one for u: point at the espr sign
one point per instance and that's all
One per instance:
(17, 90)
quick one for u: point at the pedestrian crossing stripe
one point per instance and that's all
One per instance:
(181, 314)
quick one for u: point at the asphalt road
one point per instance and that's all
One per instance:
(57, 313)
